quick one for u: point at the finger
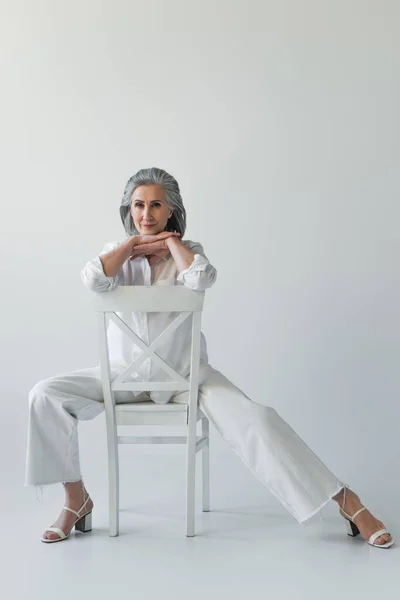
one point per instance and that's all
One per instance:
(166, 234)
(148, 248)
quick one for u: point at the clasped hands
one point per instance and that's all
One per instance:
(153, 247)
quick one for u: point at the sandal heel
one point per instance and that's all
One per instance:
(84, 524)
(352, 529)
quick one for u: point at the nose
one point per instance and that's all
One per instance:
(147, 212)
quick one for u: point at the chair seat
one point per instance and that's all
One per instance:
(150, 405)
(150, 413)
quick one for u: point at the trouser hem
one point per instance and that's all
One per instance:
(322, 505)
(52, 482)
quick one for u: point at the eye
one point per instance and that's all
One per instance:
(138, 204)
(157, 204)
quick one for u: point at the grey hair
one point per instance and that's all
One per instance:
(154, 176)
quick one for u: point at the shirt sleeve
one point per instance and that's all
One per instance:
(201, 274)
(93, 276)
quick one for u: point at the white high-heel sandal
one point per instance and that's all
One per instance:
(83, 523)
(353, 530)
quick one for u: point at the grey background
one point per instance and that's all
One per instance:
(280, 121)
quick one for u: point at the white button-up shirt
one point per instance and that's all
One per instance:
(148, 326)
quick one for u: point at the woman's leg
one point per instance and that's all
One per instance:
(269, 447)
(274, 452)
(55, 406)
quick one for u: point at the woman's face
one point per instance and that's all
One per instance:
(149, 209)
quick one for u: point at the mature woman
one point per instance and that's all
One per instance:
(154, 253)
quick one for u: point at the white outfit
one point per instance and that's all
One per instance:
(266, 444)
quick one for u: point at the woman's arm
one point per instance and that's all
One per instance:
(181, 254)
(93, 276)
(200, 274)
(113, 261)
(103, 273)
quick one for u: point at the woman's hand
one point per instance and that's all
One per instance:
(151, 245)
(158, 248)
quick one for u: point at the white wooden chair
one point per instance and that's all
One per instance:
(154, 299)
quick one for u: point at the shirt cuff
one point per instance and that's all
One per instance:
(98, 268)
(199, 264)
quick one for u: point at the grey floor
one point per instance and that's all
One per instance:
(239, 551)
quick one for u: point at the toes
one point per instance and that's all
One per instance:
(383, 539)
(51, 535)
(387, 538)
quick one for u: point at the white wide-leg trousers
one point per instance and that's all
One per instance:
(264, 441)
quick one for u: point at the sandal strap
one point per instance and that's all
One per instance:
(58, 531)
(72, 511)
(78, 513)
(84, 504)
(375, 536)
(351, 518)
(357, 513)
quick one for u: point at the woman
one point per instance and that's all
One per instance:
(154, 253)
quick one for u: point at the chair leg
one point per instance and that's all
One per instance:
(205, 432)
(190, 490)
(190, 497)
(113, 480)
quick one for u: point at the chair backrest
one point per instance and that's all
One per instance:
(148, 298)
(177, 299)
